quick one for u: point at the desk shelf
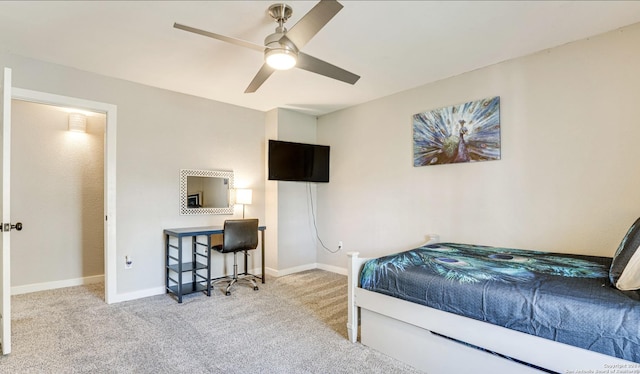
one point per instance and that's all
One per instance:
(187, 288)
(185, 274)
(188, 266)
(190, 274)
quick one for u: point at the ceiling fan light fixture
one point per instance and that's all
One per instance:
(281, 48)
(281, 58)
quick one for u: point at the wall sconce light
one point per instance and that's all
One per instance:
(77, 122)
(243, 196)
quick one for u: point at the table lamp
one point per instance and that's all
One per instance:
(243, 196)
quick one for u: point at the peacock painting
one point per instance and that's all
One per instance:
(461, 133)
(465, 263)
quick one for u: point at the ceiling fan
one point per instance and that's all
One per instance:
(282, 48)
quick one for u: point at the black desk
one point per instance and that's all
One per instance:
(200, 262)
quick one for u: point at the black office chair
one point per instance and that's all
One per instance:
(240, 235)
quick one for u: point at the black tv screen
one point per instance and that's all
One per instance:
(298, 162)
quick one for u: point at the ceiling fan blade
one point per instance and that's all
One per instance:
(239, 42)
(312, 22)
(314, 65)
(264, 73)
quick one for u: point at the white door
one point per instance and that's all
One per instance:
(5, 163)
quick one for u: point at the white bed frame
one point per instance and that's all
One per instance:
(405, 331)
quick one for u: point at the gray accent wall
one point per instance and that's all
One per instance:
(292, 237)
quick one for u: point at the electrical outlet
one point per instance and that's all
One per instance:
(340, 244)
(128, 262)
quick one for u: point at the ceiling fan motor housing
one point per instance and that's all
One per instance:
(274, 41)
(279, 53)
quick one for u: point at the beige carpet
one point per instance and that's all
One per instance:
(293, 324)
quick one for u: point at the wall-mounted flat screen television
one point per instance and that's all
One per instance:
(298, 162)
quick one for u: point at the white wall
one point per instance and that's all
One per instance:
(159, 133)
(57, 188)
(567, 181)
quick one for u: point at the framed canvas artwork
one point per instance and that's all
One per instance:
(466, 132)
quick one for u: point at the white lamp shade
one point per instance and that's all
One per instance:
(280, 59)
(243, 196)
(77, 122)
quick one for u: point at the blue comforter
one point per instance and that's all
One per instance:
(562, 297)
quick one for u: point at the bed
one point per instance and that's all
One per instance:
(423, 322)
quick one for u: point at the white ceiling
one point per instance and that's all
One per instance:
(392, 45)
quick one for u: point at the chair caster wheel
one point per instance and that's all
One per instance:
(228, 293)
(255, 288)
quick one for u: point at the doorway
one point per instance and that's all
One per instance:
(109, 187)
(57, 192)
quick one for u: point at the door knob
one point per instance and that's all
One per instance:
(9, 227)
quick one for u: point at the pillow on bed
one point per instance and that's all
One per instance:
(625, 268)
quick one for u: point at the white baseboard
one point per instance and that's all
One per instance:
(297, 269)
(333, 269)
(138, 294)
(28, 288)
